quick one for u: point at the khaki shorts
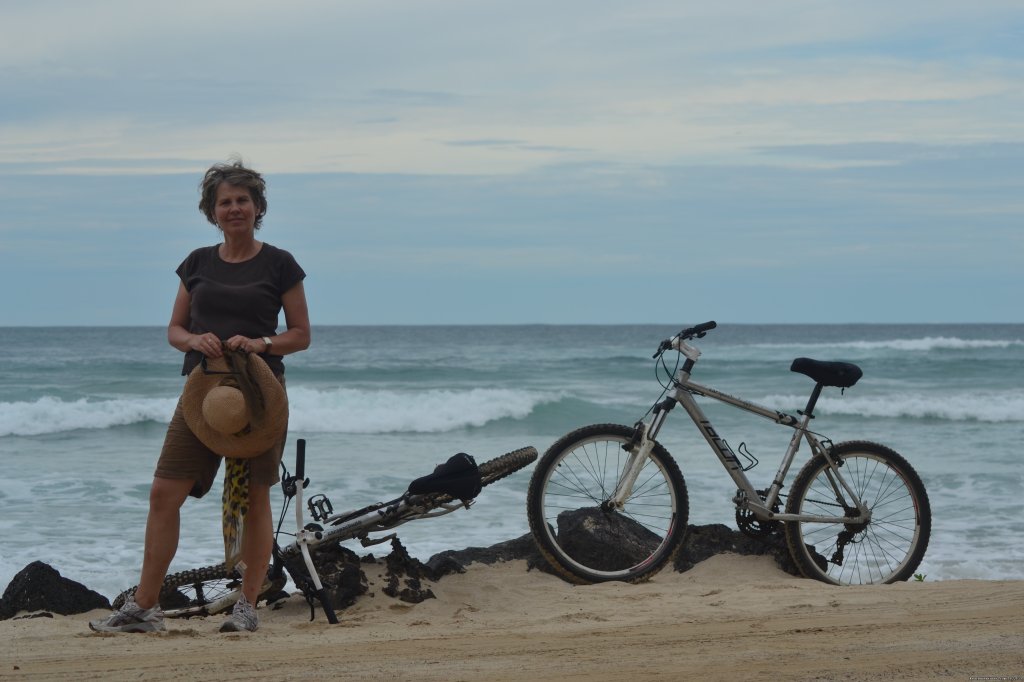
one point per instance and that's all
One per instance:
(185, 457)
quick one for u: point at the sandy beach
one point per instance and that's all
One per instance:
(731, 617)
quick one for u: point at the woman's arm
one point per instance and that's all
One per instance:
(178, 334)
(296, 336)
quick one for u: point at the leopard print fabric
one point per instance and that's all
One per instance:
(234, 507)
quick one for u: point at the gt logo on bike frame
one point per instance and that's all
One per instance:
(720, 445)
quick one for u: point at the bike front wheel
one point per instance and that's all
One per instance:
(583, 538)
(885, 549)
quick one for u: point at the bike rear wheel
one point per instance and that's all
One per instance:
(200, 591)
(509, 463)
(582, 538)
(886, 549)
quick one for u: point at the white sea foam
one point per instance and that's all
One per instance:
(52, 415)
(930, 343)
(921, 345)
(333, 410)
(390, 411)
(436, 411)
(989, 406)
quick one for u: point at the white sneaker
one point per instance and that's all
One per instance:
(243, 617)
(131, 618)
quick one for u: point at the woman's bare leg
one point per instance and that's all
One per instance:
(257, 540)
(162, 530)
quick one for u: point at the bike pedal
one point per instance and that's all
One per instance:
(320, 508)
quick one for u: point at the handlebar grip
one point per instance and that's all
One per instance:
(300, 459)
(698, 331)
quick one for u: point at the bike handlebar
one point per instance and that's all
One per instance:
(697, 331)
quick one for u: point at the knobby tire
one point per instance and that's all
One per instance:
(197, 592)
(583, 540)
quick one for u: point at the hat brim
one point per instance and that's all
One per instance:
(262, 435)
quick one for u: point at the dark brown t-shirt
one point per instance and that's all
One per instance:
(237, 298)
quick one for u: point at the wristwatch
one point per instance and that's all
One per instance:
(266, 340)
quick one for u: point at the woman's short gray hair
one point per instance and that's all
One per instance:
(236, 174)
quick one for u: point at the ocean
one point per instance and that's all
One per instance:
(83, 413)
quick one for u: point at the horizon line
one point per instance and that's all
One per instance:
(529, 324)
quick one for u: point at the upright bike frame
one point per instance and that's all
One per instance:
(747, 496)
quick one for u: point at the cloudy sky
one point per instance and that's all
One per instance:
(566, 161)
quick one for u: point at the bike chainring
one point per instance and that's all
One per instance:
(753, 527)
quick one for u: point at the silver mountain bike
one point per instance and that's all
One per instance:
(608, 502)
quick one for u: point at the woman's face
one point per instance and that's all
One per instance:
(235, 210)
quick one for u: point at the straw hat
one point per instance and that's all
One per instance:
(218, 411)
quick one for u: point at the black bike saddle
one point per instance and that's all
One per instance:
(458, 477)
(838, 374)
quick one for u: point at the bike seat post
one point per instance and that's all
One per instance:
(813, 400)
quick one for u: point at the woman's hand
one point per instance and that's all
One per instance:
(246, 344)
(208, 344)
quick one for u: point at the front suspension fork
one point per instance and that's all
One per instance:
(639, 449)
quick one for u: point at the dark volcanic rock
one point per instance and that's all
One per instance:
(455, 561)
(340, 574)
(603, 541)
(405, 575)
(40, 587)
(343, 574)
(703, 542)
(622, 540)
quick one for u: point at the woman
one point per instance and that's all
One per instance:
(229, 297)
